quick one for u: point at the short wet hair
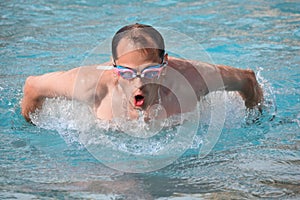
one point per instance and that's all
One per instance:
(143, 36)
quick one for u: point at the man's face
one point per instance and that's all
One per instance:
(140, 91)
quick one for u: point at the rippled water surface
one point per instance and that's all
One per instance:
(253, 158)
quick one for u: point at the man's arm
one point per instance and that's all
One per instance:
(243, 81)
(205, 78)
(219, 77)
(79, 83)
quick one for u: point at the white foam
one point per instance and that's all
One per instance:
(71, 118)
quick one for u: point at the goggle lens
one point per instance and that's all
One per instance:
(150, 72)
(126, 74)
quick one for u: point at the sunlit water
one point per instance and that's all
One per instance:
(256, 155)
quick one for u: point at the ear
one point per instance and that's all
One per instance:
(166, 57)
(115, 77)
(115, 74)
(163, 73)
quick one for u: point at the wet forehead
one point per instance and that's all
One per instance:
(133, 57)
(127, 45)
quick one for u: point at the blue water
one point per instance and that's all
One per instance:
(253, 158)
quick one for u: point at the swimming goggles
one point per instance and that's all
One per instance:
(149, 72)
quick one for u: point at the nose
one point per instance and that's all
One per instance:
(137, 82)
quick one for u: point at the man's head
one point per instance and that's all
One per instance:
(139, 48)
(137, 37)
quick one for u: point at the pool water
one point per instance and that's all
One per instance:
(254, 157)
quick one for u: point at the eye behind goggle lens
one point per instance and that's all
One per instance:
(127, 74)
(151, 74)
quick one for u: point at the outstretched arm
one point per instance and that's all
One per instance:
(79, 83)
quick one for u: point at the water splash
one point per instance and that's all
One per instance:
(269, 104)
(70, 119)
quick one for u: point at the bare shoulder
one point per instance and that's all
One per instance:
(186, 64)
(94, 78)
(192, 67)
(193, 71)
(92, 72)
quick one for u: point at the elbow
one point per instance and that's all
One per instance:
(29, 86)
(29, 81)
(31, 99)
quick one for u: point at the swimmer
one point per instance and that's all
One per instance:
(139, 76)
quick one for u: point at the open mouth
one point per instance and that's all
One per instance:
(139, 100)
